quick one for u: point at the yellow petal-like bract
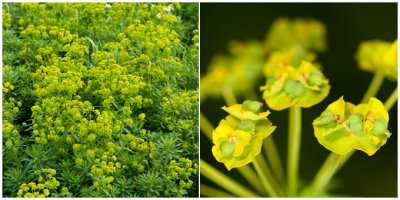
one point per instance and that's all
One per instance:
(339, 129)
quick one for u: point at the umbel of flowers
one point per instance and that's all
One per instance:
(238, 138)
(286, 86)
(344, 126)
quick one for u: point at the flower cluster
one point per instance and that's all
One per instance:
(238, 138)
(379, 57)
(344, 126)
(307, 33)
(288, 86)
(238, 71)
(94, 91)
(46, 186)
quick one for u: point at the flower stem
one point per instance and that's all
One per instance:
(373, 87)
(270, 176)
(272, 155)
(248, 173)
(229, 96)
(331, 165)
(206, 127)
(293, 150)
(391, 100)
(224, 181)
(267, 185)
(209, 191)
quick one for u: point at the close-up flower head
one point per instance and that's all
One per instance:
(378, 56)
(344, 126)
(239, 137)
(304, 86)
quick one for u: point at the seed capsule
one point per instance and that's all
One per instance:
(246, 126)
(356, 122)
(327, 117)
(293, 88)
(227, 148)
(252, 106)
(380, 126)
(316, 78)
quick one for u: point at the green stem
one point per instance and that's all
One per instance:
(331, 165)
(267, 186)
(293, 150)
(270, 176)
(373, 87)
(248, 173)
(273, 157)
(229, 96)
(209, 191)
(224, 181)
(206, 127)
(391, 100)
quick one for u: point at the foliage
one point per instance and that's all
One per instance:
(104, 94)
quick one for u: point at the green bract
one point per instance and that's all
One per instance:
(344, 126)
(288, 86)
(238, 138)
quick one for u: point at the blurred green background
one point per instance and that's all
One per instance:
(348, 24)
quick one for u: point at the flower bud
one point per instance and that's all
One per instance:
(356, 122)
(227, 148)
(327, 117)
(246, 126)
(316, 78)
(252, 106)
(380, 126)
(293, 88)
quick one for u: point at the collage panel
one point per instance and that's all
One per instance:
(298, 100)
(100, 99)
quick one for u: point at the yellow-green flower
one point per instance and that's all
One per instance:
(288, 86)
(238, 138)
(344, 126)
(238, 71)
(285, 33)
(378, 57)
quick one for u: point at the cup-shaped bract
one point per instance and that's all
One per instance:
(344, 126)
(239, 137)
(304, 86)
(378, 57)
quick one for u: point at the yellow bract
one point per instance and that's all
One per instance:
(343, 132)
(238, 138)
(289, 86)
